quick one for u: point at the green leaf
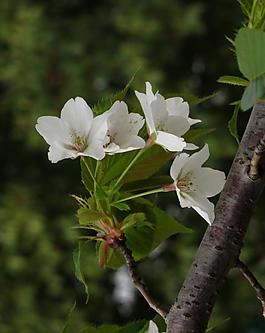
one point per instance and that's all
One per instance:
(100, 329)
(254, 91)
(114, 165)
(255, 12)
(69, 323)
(105, 103)
(136, 218)
(232, 124)
(88, 216)
(194, 100)
(234, 80)
(143, 231)
(139, 239)
(82, 202)
(197, 133)
(160, 323)
(246, 6)
(122, 94)
(148, 163)
(231, 41)
(166, 226)
(77, 263)
(220, 324)
(143, 240)
(121, 206)
(135, 327)
(108, 256)
(250, 50)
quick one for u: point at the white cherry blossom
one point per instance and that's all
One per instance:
(194, 183)
(123, 128)
(75, 134)
(167, 119)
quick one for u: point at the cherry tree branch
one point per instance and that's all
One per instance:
(137, 281)
(254, 168)
(249, 276)
(222, 242)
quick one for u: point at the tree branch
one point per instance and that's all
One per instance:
(138, 283)
(254, 168)
(249, 276)
(222, 242)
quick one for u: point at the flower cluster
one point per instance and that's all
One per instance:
(78, 133)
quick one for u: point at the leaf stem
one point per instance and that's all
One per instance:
(157, 190)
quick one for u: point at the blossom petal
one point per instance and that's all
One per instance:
(159, 111)
(177, 107)
(52, 129)
(196, 160)
(57, 153)
(113, 148)
(136, 122)
(194, 121)
(209, 181)
(206, 210)
(94, 150)
(190, 146)
(96, 138)
(169, 141)
(149, 93)
(121, 123)
(99, 128)
(177, 165)
(134, 142)
(177, 125)
(147, 112)
(78, 115)
(118, 106)
(200, 204)
(152, 327)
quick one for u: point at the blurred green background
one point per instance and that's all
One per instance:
(54, 50)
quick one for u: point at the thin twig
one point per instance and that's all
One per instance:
(248, 275)
(137, 281)
(254, 168)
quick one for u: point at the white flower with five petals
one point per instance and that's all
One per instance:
(75, 134)
(167, 119)
(123, 128)
(194, 183)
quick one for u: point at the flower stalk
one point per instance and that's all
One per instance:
(130, 165)
(157, 190)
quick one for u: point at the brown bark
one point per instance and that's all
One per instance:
(222, 242)
(138, 282)
(249, 276)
